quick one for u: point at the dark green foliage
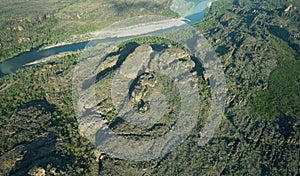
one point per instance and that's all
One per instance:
(28, 119)
(283, 93)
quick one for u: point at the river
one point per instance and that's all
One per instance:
(17, 62)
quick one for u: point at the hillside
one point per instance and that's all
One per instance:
(257, 43)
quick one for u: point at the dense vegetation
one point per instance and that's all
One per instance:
(258, 43)
(37, 131)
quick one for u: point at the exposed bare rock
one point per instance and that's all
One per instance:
(37, 172)
(288, 9)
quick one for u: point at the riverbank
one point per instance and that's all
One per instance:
(103, 36)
